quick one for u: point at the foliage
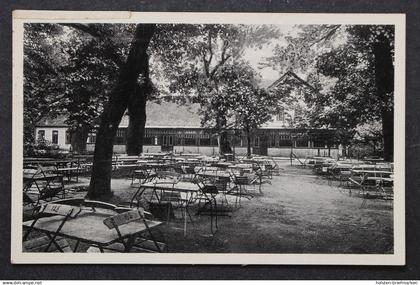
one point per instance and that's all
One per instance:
(293, 94)
(70, 69)
(195, 59)
(43, 148)
(341, 66)
(250, 106)
(41, 85)
(90, 75)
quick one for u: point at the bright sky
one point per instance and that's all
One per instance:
(255, 56)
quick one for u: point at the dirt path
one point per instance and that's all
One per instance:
(298, 213)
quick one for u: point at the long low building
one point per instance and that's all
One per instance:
(173, 127)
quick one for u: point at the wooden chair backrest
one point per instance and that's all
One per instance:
(98, 204)
(124, 218)
(169, 174)
(30, 171)
(60, 209)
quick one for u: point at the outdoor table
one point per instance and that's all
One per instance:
(370, 173)
(46, 186)
(222, 164)
(52, 162)
(242, 166)
(30, 178)
(215, 174)
(366, 167)
(143, 161)
(88, 227)
(370, 179)
(69, 172)
(190, 189)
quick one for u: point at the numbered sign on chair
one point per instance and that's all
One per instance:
(59, 209)
(124, 218)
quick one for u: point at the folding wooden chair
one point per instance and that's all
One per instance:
(209, 192)
(54, 184)
(45, 243)
(133, 243)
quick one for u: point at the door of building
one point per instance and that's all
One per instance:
(260, 146)
(168, 142)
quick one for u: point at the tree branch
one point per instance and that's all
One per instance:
(223, 59)
(328, 34)
(110, 48)
(85, 28)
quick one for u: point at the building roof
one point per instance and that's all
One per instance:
(170, 114)
(58, 121)
(291, 75)
(159, 115)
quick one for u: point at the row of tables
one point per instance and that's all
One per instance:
(86, 226)
(372, 179)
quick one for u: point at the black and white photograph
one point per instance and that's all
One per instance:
(189, 138)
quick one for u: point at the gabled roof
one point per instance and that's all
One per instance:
(58, 121)
(290, 74)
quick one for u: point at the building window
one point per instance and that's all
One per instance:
(41, 134)
(189, 141)
(55, 137)
(205, 141)
(179, 140)
(167, 140)
(148, 140)
(280, 115)
(120, 137)
(273, 140)
(302, 143)
(68, 137)
(285, 143)
(256, 142)
(319, 143)
(91, 138)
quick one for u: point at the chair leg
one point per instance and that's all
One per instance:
(215, 207)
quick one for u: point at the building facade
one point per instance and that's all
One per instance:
(177, 128)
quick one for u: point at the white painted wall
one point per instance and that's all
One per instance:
(207, 150)
(302, 152)
(152, 148)
(48, 135)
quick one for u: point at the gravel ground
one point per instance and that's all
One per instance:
(298, 213)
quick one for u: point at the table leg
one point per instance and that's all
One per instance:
(53, 242)
(185, 222)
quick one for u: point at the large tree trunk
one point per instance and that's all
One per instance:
(224, 144)
(137, 62)
(384, 82)
(388, 134)
(248, 142)
(248, 146)
(137, 114)
(78, 139)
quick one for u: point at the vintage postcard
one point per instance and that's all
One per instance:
(208, 138)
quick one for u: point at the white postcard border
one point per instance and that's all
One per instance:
(25, 16)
